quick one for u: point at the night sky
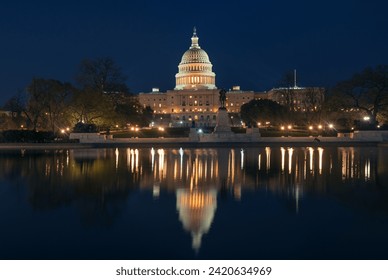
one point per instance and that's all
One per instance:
(250, 43)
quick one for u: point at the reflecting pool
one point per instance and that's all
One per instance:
(224, 203)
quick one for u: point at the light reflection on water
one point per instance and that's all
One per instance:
(197, 177)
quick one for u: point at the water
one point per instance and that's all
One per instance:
(256, 203)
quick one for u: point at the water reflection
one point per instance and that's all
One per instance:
(99, 181)
(196, 210)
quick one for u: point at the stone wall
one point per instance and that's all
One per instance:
(89, 137)
(371, 135)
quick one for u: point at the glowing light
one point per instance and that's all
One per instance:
(366, 118)
(311, 127)
(181, 162)
(63, 131)
(162, 170)
(283, 151)
(320, 126)
(268, 155)
(290, 152)
(320, 152)
(367, 170)
(156, 191)
(117, 157)
(152, 158)
(331, 126)
(311, 151)
(282, 128)
(200, 130)
(242, 159)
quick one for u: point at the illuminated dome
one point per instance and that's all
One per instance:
(195, 68)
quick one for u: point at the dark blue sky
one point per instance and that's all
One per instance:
(250, 43)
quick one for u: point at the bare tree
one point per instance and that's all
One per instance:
(47, 102)
(102, 75)
(367, 91)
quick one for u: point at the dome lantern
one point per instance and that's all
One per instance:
(194, 40)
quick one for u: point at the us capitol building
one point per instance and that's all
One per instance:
(195, 96)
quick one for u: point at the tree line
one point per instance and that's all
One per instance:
(99, 95)
(358, 102)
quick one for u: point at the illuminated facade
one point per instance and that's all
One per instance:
(195, 98)
(299, 99)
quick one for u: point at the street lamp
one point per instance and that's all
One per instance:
(366, 118)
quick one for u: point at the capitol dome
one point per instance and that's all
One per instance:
(195, 68)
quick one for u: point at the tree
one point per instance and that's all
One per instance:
(263, 110)
(47, 103)
(366, 91)
(101, 75)
(310, 101)
(89, 106)
(103, 97)
(129, 111)
(285, 93)
(15, 118)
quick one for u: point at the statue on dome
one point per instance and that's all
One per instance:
(222, 98)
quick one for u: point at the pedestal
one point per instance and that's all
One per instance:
(223, 122)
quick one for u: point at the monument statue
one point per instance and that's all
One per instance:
(222, 98)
